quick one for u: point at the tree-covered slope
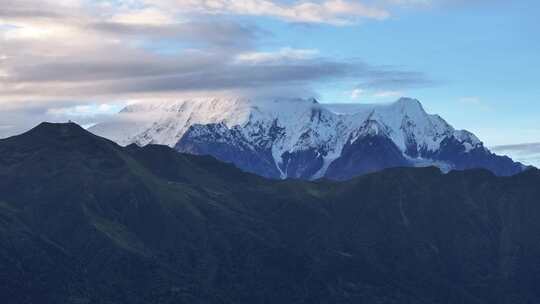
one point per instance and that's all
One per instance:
(83, 220)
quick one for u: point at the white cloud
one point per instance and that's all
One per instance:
(146, 16)
(387, 94)
(284, 54)
(337, 12)
(470, 100)
(474, 101)
(86, 110)
(409, 2)
(356, 93)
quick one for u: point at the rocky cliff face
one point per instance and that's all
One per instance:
(297, 138)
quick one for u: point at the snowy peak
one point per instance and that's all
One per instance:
(370, 127)
(408, 105)
(295, 137)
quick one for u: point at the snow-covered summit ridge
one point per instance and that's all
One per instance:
(283, 127)
(166, 122)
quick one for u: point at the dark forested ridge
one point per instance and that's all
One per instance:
(83, 220)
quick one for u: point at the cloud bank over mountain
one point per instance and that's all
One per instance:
(80, 53)
(527, 153)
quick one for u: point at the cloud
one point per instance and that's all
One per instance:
(437, 3)
(18, 118)
(117, 52)
(144, 16)
(528, 153)
(388, 94)
(133, 72)
(356, 93)
(215, 33)
(474, 101)
(86, 110)
(284, 54)
(390, 78)
(372, 96)
(336, 12)
(470, 100)
(526, 148)
(65, 59)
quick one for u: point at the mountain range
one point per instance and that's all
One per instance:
(299, 138)
(84, 220)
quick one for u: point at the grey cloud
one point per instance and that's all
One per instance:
(239, 77)
(158, 78)
(109, 61)
(211, 30)
(220, 33)
(100, 67)
(527, 148)
(528, 153)
(13, 12)
(29, 9)
(119, 65)
(193, 72)
(388, 78)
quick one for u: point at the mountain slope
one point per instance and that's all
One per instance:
(295, 138)
(83, 220)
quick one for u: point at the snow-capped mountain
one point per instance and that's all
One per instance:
(298, 138)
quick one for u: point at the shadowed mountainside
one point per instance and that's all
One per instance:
(83, 220)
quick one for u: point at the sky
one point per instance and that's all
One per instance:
(473, 62)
